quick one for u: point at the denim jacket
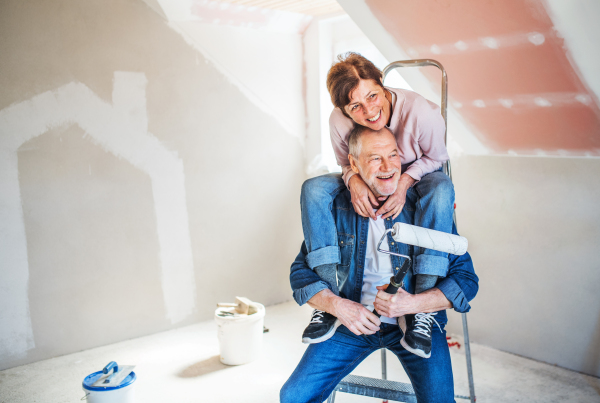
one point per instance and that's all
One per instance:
(460, 285)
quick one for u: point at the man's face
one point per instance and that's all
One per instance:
(378, 164)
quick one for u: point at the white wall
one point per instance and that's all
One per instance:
(134, 166)
(534, 234)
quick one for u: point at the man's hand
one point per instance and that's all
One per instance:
(363, 198)
(395, 202)
(358, 319)
(403, 303)
(394, 305)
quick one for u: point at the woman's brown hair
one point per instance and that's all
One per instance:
(344, 76)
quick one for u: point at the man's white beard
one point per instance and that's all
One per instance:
(372, 182)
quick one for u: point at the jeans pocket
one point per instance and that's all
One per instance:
(346, 243)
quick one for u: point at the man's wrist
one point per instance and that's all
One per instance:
(432, 300)
(325, 300)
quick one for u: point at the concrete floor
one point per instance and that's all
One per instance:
(183, 366)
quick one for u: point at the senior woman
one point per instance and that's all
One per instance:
(357, 92)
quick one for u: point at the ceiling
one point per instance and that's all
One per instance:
(308, 7)
(511, 75)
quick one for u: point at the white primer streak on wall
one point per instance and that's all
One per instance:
(122, 130)
(577, 23)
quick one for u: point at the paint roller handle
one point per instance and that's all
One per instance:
(392, 288)
(396, 281)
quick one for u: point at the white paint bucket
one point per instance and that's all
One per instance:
(241, 336)
(123, 393)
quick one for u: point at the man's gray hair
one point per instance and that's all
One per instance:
(354, 143)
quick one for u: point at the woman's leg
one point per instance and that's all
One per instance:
(320, 235)
(434, 201)
(434, 210)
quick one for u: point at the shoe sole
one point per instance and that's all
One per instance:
(420, 353)
(308, 340)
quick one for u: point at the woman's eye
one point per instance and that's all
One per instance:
(373, 95)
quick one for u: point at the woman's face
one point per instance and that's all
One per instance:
(368, 105)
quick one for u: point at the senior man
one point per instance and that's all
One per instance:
(362, 276)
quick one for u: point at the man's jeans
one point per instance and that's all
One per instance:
(325, 364)
(432, 198)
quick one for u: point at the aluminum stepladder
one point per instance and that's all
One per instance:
(383, 388)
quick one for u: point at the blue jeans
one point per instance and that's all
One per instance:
(325, 364)
(432, 198)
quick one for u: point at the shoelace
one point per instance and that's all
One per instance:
(423, 323)
(317, 316)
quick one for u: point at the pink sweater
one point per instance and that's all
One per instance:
(419, 129)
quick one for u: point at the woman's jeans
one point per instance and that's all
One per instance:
(433, 199)
(325, 364)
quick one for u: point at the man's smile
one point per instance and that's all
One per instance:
(386, 177)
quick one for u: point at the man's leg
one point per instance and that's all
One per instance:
(320, 236)
(434, 207)
(325, 364)
(431, 378)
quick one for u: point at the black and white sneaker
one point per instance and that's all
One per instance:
(417, 333)
(321, 327)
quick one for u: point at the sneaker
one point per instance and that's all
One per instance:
(321, 327)
(417, 333)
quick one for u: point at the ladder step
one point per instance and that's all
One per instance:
(379, 388)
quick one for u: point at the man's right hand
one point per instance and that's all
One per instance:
(358, 319)
(363, 198)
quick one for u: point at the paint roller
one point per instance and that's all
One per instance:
(421, 237)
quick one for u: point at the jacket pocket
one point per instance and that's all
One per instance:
(346, 244)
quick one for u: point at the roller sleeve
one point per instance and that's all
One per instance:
(430, 239)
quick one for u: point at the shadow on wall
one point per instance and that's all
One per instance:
(212, 364)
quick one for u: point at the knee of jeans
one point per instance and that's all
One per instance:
(311, 190)
(443, 193)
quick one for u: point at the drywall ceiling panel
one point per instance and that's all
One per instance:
(511, 75)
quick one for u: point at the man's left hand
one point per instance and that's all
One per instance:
(395, 202)
(394, 305)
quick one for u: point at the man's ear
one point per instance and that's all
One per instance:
(353, 163)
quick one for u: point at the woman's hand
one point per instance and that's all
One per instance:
(363, 199)
(395, 202)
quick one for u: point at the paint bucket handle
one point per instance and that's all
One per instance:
(85, 397)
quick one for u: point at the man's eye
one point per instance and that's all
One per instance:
(373, 95)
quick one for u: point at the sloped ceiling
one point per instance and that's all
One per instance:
(511, 76)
